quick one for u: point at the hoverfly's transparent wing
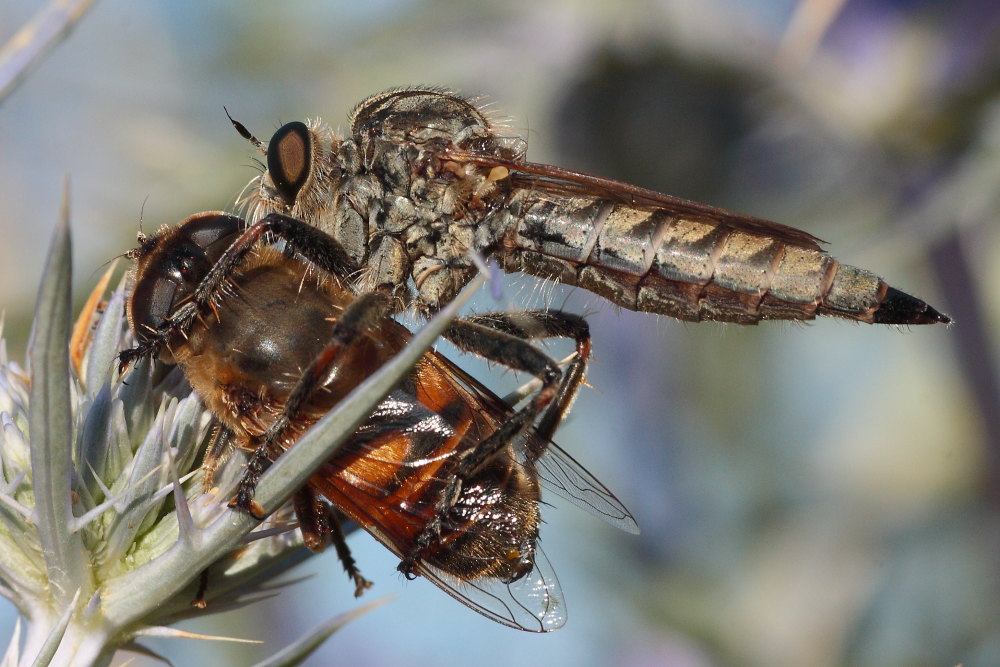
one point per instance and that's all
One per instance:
(533, 603)
(564, 476)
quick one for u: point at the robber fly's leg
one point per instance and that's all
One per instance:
(319, 526)
(511, 351)
(539, 325)
(360, 316)
(316, 246)
(505, 339)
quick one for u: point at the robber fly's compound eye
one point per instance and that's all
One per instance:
(289, 159)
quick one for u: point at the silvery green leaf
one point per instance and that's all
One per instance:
(50, 418)
(296, 652)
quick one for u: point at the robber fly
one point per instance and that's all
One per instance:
(443, 473)
(424, 177)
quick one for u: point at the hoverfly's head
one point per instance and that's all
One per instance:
(170, 265)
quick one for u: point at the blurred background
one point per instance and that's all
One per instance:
(818, 494)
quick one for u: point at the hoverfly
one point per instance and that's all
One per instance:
(423, 177)
(443, 473)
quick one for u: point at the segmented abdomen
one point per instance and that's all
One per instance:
(652, 260)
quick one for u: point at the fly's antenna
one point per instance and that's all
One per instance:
(142, 212)
(245, 133)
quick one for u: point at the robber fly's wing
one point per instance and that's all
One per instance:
(566, 182)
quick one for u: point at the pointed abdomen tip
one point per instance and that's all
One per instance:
(900, 308)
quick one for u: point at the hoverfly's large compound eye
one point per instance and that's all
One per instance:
(173, 263)
(289, 159)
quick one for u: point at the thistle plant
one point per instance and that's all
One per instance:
(106, 535)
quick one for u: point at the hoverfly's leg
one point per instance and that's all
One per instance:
(314, 519)
(344, 554)
(220, 447)
(360, 316)
(543, 324)
(319, 527)
(132, 355)
(199, 601)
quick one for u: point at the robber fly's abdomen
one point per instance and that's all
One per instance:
(652, 260)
